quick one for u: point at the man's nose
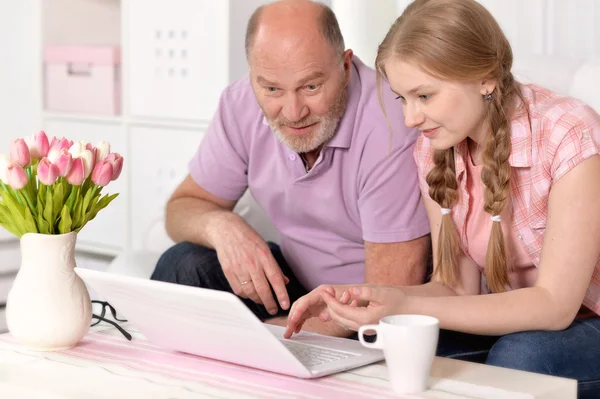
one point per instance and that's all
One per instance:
(413, 117)
(294, 108)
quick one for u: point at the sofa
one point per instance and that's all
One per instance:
(578, 78)
(141, 263)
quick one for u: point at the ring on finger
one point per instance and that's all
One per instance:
(245, 282)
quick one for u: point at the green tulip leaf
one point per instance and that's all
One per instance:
(58, 200)
(29, 222)
(49, 211)
(86, 201)
(42, 224)
(6, 220)
(64, 226)
(76, 212)
(16, 213)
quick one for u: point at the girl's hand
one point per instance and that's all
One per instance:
(309, 306)
(312, 305)
(380, 301)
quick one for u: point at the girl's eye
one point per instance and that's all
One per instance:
(271, 89)
(400, 98)
(425, 96)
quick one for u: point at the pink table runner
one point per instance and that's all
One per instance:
(141, 355)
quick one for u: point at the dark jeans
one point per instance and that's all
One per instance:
(571, 353)
(190, 264)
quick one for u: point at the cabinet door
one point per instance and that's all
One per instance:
(20, 74)
(109, 227)
(177, 61)
(159, 164)
(20, 69)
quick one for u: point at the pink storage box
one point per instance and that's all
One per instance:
(83, 79)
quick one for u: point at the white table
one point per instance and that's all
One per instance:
(52, 375)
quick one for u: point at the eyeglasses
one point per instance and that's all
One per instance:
(114, 315)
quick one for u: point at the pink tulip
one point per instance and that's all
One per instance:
(16, 176)
(38, 145)
(63, 162)
(117, 162)
(47, 172)
(56, 145)
(102, 174)
(76, 175)
(19, 152)
(59, 144)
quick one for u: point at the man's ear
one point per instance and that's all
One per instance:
(347, 60)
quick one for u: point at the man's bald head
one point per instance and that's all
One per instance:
(299, 71)
(295, 18)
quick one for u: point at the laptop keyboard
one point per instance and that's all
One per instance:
(315, 355)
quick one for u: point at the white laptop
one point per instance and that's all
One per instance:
(218, 325)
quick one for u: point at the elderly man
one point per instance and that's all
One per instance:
(304, 131)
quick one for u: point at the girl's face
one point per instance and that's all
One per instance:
(446, 112)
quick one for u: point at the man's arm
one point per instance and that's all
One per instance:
(398, 263)
(195, 215)
(192, 213)
(393, 218)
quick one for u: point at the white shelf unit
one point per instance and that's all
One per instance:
(177, 57)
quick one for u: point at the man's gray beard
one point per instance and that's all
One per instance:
(302, 143)
(314, 140)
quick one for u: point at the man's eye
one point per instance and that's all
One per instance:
(312, 87)
(271, 89)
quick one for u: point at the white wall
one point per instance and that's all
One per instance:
(569, 28)
(364, 25)
(20, 70)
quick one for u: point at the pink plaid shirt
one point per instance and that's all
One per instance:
(563, 132)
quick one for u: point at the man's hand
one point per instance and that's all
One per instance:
(196, 215)
(247, 262)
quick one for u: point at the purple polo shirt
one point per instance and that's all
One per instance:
(363, 187)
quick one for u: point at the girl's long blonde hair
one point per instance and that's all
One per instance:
(459, 40)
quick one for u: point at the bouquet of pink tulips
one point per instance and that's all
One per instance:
(54, 187)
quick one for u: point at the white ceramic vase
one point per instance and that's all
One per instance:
(48, 306)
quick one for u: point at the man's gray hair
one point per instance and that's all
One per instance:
(327, 23)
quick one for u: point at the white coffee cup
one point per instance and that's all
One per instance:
(409, 343)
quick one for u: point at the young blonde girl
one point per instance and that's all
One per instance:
(510, 174)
